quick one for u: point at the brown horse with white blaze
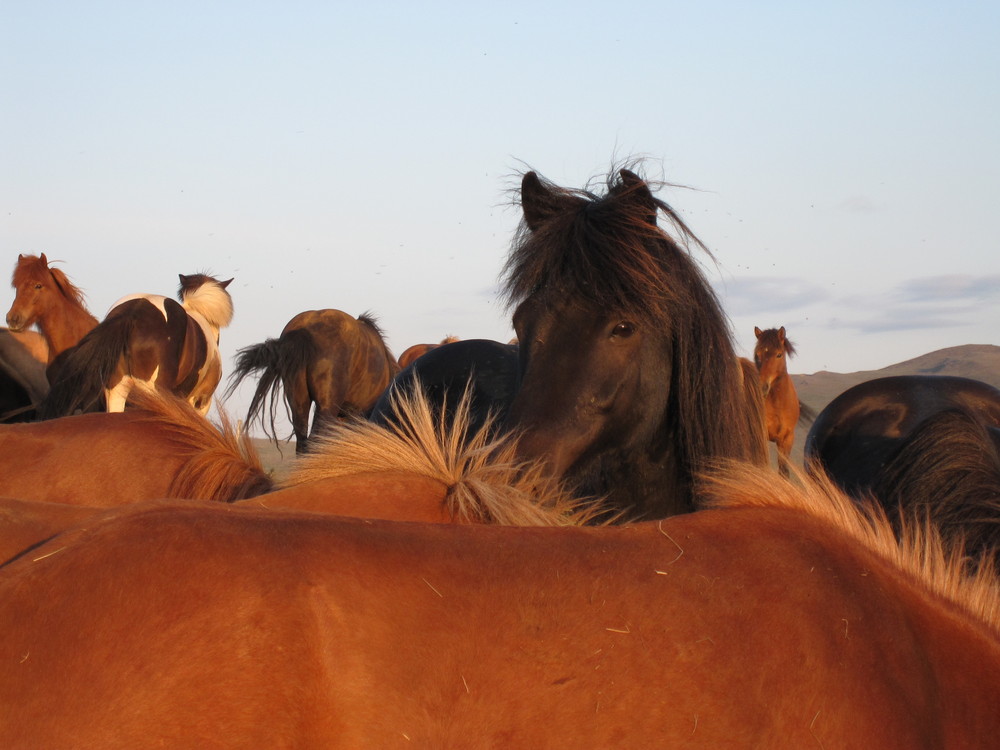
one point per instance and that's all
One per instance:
(194, 625)
(781, 402)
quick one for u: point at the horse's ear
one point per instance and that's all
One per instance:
(757, 332)
(781, 334)
(224, 284)
(183, 279)
(537, 202)
(637, 189)
(45, 261)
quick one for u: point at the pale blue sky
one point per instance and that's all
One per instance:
(845, 157)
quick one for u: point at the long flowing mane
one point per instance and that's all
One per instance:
(609, 249)
(486, 483)
(32, 268)
(918, 550)
(220, 463)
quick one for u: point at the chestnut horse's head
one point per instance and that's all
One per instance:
(769, 355)
(38, 290)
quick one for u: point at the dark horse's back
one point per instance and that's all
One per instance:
(857, 433)
(488, 368)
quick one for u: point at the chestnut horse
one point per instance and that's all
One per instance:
(147, 338)
(161, 448)
(323, 357)
(779, 617)
(413, 470)
(781, 402)
(628, 377)
(46, 298)
(416, 351)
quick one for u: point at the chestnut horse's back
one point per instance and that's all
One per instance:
(747, 626)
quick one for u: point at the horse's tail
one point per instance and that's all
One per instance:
(807, 414)
(80, 374)
(277, 361)
(219, 464)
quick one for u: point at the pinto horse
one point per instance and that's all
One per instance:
(46, 298)
(780, 616)
(416, 351)
(323, 357)
(147, 338)
(781, 403)
(628, 378)
(162, 448)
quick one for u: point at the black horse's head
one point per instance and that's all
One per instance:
(628, 378)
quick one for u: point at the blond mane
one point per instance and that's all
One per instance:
(919, 549)
(219, 463)
(486, 482)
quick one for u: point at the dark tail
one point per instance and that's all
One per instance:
(807, 414)
(276, 360)
(80, 373)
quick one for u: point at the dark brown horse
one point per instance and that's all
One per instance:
(147, 338)
(781, 618)
(629, 381)
(416, 351)
(23, 382)
(781, 403)
(46, 298)
(854, 436)
(323, 357)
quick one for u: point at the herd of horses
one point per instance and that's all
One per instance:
(574, 539)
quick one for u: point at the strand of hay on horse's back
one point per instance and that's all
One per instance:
(416, 461)
(780, 617)
(626, 379)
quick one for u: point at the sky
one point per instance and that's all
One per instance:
(840, 160)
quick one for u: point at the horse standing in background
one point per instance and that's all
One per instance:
(323, 357)
(781, 402)
(45, 297)
(418, 350)
(150, 338)
(629, 382)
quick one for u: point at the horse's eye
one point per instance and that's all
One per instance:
(38, 286)
(623, 330)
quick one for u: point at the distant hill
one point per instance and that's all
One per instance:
(977, 361)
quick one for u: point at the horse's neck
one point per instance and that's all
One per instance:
(65, 327)
(645, 486)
